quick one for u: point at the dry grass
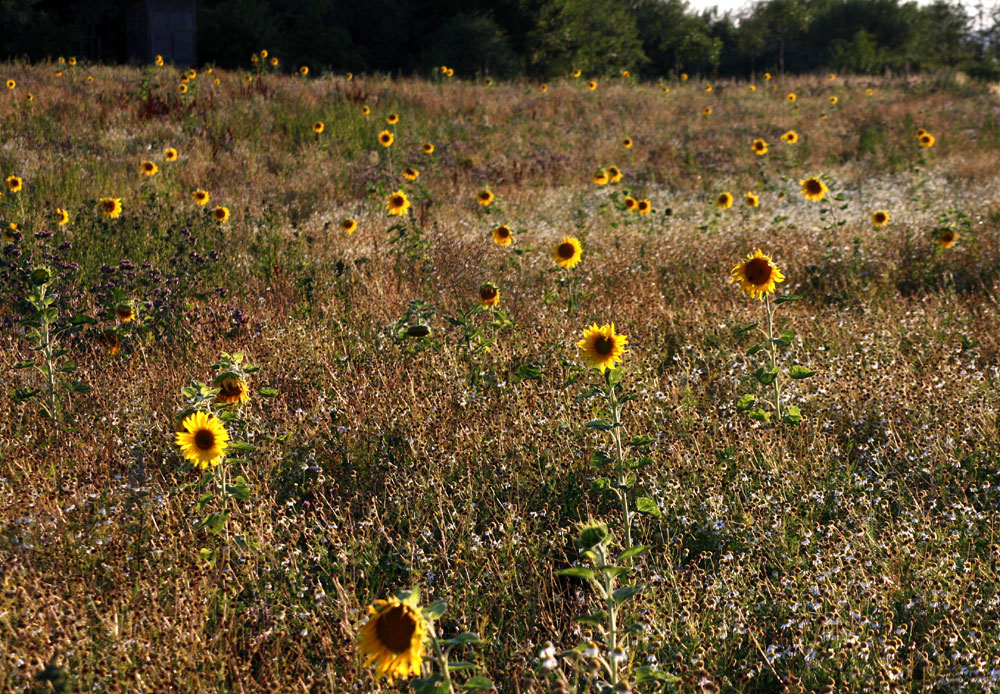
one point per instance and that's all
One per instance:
(857, 549)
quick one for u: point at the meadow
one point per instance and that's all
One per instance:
(770, 487)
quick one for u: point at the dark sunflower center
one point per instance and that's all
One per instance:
(204, 439)
(484, 196)
(395, 628)
(879, 217)
(411, 172)
(123, 312)
(503, 232)
(813, 187)
(948, 236)
(758, 145)
(109, 206)
(397, 200)
(566, 251)
(232, 389)
(643, 205)
(487, 293)
(604, 345)
(723, 199)
(758, 271)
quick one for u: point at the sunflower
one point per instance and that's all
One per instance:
(348, 225)
(249, 78)
(724, 201)
(568, 252)
(946, 238)
(601, 178)
(880, 218)
(10, 233)
(62, 217)
(62, 60)
(684, 77)
(502, 235)
(630, 203)
(149, 168)
(274, 62)
(182, 88)
(643, 207)
(318, 127)
(444, 69)
(544, 88)
(392, 118)
(927, 140)
(304, 70)
(489, 295)
(751, 200)
(428, 148)
(15, 183)
(263, 53)
(759, 146)
(451, 72)
(834, 100)
(411, 174)
(832, 77)
(112, 345)
(592, 85)
(125, 313)
(220, 214)
(813, 188)
(626, 74)
(869, 91)
(72, 60)
(707, 110)
(791, 137)
(90, 79)
(577, 73)
(614, 174)
(191, 74)
(708, 89)
(666, 90)
(170, 154)
(201, 196)
(627, 143)
(791, 97)
(393, 638)
(365, 111)
(485, 198)
(202, 439)
(158, 61)
(488, 83)
(757, 275)
(752, 88)
(767, 76)
(232, 389)
(253, 58)
(397, 203)
(601, 347)
(112, 207)
(385, 138)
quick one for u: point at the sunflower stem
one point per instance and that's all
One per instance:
(774, 356)
(616, 434)
(442, 657)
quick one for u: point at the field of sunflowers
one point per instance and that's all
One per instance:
(321, 382)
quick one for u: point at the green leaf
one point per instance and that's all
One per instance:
(648, 674)
(801, 372)
(26, 364)
(599, 459)
(461, 665)
(204, 499)
(640, 463)
(478, 684)
(598, 619)
(599, 484)
(206, 554)
(786, 298)
(464, 638)
(641, 441)
(614, 376)
(646, 505)
(239, 489)
(22, 394)
(753, 350)
(626, 592)
(746, 328)
(577, 571)
(793, 416)
(632, 552)
(784, 338)
(241, 446)
(81, 319)
(766, 376)
(67, 368)
(436, 608)
(760, 415)
(613, 571)
(745, 402)
(268, 392)
(527, 372)
(602, 424)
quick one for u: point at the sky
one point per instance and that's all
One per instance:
(727, 5)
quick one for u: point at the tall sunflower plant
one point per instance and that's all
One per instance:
(400, 641)
(758, 277)
(209, 417)
(477, 335)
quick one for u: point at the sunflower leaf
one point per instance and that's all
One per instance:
(577, 571)
(602, 424)
(477, 684)
(639, 441)
(614, 376)
(784, 338)
(798, 371)
(241, 446)
(627, 398)
(436, 608)
(464, 638)
(746, 328)
(632, 552)
(647, 506)
(760, 415)
(461, 665)
(268, 392)
(786, 298)
(626, 592)
(753, 350)
(599, 459)
(613, 571)
(793, 416)
(640, 463)
(26, 364)
(745, 402)
(598, 619)
(765, 376)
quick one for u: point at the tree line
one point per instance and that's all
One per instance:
(541, 38)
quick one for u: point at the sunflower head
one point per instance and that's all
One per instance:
(41, 275)
(627, 143)
(62, 216)
(568, 252)
(832, 77)
(707, 110)
(643, 207)
(601, 177)
(319, 126)
(72, 60)
(544, 88)
(392, 118)
(488, 82)
(791, 97)
(813, 189)
(182, 88)
(201, 197)
(111, 207)
(757, 275)
(601, 347)
(489, 295)
(220, 214)
(614, 174)
(880, 218)
(577, 73)
(869, 91)
(630, 203)
(15, 183)
(724, 201)
(348, 225)
(392, 640)
(751, 200)
(411, 174)
(791, 137)
(485, 198)
(274, 62)
(304, 70)
(927, 140)
(834, 100)
(202, 439)
(125, 313)
(232, 389)
(502, 235)
(451, 72)
(759, 146)
(684, 77)
(428, 148)
(149, 168)
(752, 88)
(365, 111)
(397, 203)
(385, 138)
(263, 53)
(708, 89)
(666, 90)
(946, 238)
(170, 154)
(592, 85)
